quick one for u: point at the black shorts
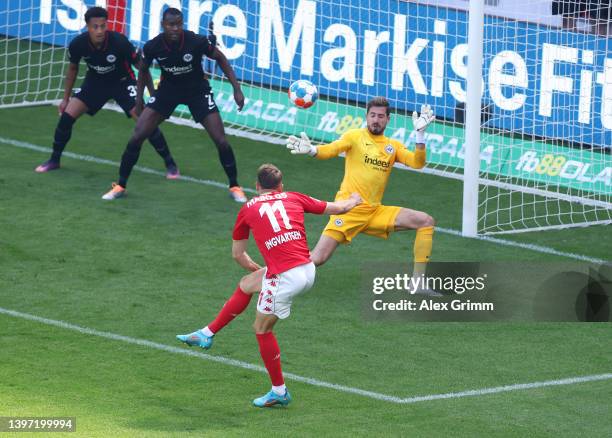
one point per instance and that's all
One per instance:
(95, 94)
(200, 101)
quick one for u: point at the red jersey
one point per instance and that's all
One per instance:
(277, 222)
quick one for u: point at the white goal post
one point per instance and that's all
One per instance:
(523, 106)
(562, 125)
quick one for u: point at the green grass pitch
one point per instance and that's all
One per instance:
(158, 263)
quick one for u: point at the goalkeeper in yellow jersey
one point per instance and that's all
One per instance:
(369, 159)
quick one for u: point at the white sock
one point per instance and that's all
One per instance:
(207, 332)
(279, 390)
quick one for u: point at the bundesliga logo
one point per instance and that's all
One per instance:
(338, 222)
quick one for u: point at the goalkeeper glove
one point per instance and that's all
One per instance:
(301, 145)
(420, 123)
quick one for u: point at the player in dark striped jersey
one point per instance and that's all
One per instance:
(179, 54)
(109, 57)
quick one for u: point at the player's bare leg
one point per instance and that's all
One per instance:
(214, 126)
(75, 109)
(424, 224)
(324, 250)
(264, 323)
(270, 354)
(146, 124)
(158, 141)
(234, 306)
(251, 283)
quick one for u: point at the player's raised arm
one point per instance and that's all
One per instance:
(218, 56)
(240, 255)
(420, 123)
(303, 146)
(344, 206)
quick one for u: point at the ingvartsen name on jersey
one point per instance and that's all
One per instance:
(283, 238)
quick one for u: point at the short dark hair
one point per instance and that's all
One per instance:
(95, 12)
(172, 11)
(379, 101)
(269, 176)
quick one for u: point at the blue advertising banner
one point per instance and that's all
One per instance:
(537, 80)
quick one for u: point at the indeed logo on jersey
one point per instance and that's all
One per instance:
(102, 69)
(176, 70)
(380, 164)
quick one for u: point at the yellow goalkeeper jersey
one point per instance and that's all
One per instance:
(368, 164)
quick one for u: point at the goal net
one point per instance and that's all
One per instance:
(546, 104)
(547, 119)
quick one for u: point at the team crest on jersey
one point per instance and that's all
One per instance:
(338, 222)
(389, 149)
(187, 57)
(111, 58)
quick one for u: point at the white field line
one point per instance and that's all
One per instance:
(528, 246)
(301, 379)
(90, 158)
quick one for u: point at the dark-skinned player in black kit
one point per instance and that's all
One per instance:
(109, 57)
(179, 54)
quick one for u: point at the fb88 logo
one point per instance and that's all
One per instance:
(330, 122)
(549, 164)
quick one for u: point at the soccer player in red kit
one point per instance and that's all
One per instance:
(276, 219)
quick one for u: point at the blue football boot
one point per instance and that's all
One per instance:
(272, 399)
(196, 338)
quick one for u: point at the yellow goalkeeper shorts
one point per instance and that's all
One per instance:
(376, 221)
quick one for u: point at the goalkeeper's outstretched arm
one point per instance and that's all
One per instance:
(303, 146)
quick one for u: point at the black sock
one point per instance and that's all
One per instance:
(128, 161)
(158, 141)
(228, 161)
(63, 132)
